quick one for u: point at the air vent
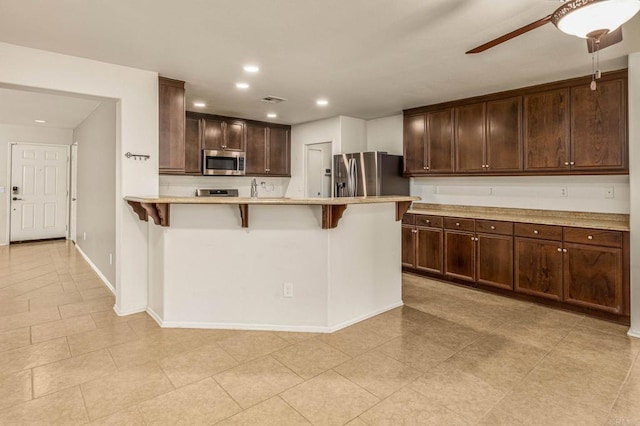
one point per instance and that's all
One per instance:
(272, 99)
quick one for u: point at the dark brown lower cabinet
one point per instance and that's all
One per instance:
(408, 246)
(593, 277)
(538, 268)
(429, 249)
(494, 260)
(459, 255)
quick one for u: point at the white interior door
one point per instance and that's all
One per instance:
(315, 173)
(74, 192)
(38, 192)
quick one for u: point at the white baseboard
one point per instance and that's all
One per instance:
(364, 317)
(267, 327)
(633, 333)
(155, 316)
(121, 313)
(96, 270)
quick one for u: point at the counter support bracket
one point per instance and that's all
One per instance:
(139, 210)
(401, 208)
(331, 214)
(244, 214)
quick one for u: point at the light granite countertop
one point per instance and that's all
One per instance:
(272, 201)
(607, 221)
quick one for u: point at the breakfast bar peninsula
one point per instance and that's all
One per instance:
(288, 264)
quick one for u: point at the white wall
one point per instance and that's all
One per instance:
(96, 205)
(634, 178)
(30, 134)
(571, 193)
(353, 135)
(187, 185)
(385, 134)
(136, 131)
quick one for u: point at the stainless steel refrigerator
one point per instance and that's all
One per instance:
(364, 174)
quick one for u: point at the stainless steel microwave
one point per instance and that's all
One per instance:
(223, 163)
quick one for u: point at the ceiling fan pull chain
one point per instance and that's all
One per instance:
(593, 70)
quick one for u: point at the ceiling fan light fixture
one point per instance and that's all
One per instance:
(584, 17)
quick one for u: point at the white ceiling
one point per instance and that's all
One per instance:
(370, 58)
(24, 107)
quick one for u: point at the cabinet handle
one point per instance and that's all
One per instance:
(535, 231)
(415, 231)
(457, 223)
(425, 167)
(493, 227)
(564, 250)
(476, 238)
(566, 163)
(427, 221)
(572, 163)
(590, 237)
(473, 239)
(486, 165)
(559, 249)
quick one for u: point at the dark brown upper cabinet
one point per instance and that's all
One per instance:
(546, 137)
(503, 152)
(599, 127)
(171, 108)
(470, 138)
(429, 143)
(556, 128)
(268, 150)
(192, 146)
(223, 135)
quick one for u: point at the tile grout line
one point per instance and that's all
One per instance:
(624, 382)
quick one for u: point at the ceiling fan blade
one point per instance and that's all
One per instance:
(512, 34)
(606, 40)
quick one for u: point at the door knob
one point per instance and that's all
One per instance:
(16, 199)
(74, 199)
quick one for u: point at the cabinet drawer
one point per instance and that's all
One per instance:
(546, 232)
(593, 236)
(408, 219)
(459, 223)
(431, 221)
(494, 227)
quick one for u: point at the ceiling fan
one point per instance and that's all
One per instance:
(597, 21)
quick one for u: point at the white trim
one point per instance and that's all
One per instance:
(367, 316)
(124, 314)
(155, 316)
(632, 333)
(268, 327)
(96, 270)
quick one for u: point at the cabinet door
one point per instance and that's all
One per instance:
(459, 255)
(256, 156)
(538, 268)
(429, 250)
(278, 152)
(546, 131)
(494, 260)
(598, 127)
(414, 144)
(504, 135)
(593, 277)
(192, 150)
(408, 246)
(212, 134)
(440, 141)
(234, 136)
(172, 125)
(470, 138)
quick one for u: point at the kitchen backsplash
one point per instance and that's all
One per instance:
(599, 194)
(187, 185)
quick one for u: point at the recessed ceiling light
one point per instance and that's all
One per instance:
(40, 121)
(242, 85)
(251, 68)
(199, 104)
(272, 115)
(322, 102)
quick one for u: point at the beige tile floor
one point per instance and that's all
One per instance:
(451, 356)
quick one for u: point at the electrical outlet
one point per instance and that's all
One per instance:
(609, 192)
(110, 258)
(287, 289)
(84, 236)
(564, 192)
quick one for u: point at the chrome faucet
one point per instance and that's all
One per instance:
(254, 188)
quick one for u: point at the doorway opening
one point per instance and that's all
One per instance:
(318, 170)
